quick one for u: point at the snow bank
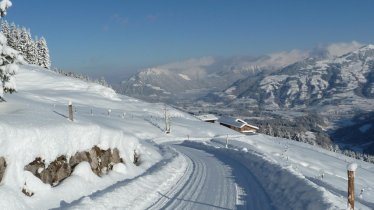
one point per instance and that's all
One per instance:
(21, 146)
(326, 169)
(34, 124)
(138, 193)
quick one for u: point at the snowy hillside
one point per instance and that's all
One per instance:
(34, 124)
(254, 172)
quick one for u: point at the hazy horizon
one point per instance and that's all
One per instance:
(121, 37)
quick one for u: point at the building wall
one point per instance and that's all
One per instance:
(248, 129)
(232, 127)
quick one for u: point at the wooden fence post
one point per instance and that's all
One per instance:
(71, 118)
(351, 168)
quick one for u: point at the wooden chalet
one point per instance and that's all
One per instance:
(237, 124)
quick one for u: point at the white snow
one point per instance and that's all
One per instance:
(322, 169)
(230, 90)
(34, 124)
(185, 77)
(5, 4)
(352, 167)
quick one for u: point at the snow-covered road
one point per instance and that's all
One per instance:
(194, 179)
(214, 181)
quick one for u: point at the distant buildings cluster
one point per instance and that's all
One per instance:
(230, 122)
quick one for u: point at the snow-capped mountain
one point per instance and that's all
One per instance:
(347, 81)
(195, 78)
(336, 90)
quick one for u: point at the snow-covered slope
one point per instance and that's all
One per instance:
(34, 124)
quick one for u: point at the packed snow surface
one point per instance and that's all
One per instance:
(254, 172)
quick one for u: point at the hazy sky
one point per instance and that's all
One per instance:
(120, 35)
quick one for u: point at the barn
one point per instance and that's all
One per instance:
(237, 124)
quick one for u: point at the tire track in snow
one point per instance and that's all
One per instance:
(215, 182)
(201, 190)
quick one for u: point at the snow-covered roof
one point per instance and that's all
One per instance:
(207, 117)
(239, 123)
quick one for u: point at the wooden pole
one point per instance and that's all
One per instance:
(351, 185)
(351, 190)
(70, 108)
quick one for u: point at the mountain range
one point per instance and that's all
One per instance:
(336, 87)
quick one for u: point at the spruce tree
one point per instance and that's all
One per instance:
(5, 28)
(43, 53)
(12, 38)
(32, 53)
(8, 58)
(26, 45)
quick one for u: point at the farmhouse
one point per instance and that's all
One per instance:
(208, 118)
(237, 124)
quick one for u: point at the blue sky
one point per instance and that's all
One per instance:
(120, 36)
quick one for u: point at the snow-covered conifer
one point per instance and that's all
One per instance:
(5, 28)
(26, 45)
(32, 53)
(8, 58)
(43, 53)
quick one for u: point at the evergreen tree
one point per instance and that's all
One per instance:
(32, 53)
(8, 58)
(26, 43)
(43, 53)
(12, 38)
(5, 28)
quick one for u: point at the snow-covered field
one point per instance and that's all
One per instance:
(33, 123)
